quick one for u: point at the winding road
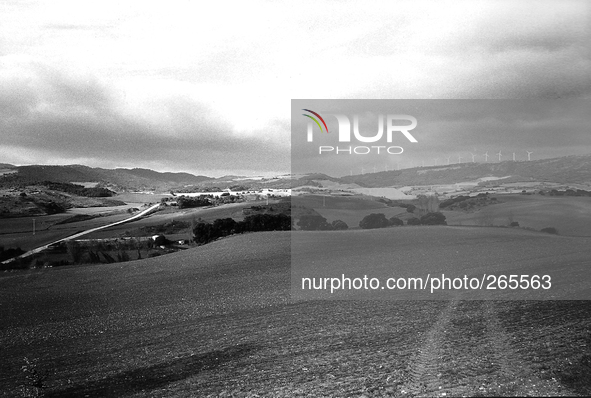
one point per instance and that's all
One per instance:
(88, 231)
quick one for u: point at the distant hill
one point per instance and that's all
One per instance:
(119, 179)
(180, 178)
(569, 169)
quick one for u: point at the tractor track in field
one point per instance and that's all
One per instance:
(424, 373)
(468, 352)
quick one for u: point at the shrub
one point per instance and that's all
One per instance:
(10, 253)
(74, 250)
(224, 226)
(264, 222)
(185, 202)
(550, 230)
(413, 221)
(514, 224)
(374, 220)
(395, 221)
(436, 218)
(160, 240)
(410, 208)
(339, 225)
(312, 222)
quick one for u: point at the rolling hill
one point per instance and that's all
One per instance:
(217, 320)
(569, 169)
(120, 179)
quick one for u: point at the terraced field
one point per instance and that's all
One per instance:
(218, 320)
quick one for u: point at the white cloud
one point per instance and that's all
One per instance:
(189, 69)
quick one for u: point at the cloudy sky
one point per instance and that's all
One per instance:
(447, 131)
(206, 87)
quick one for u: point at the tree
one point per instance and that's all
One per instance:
(339, 225)
(224, 226)
(427, 204)
(74, 250)
(550, 230)
(374, 220)
(413, 221)
(313, 222)
(395, 221)
(436, 218)
(203, 233)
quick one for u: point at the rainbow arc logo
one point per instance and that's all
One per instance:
(316, 120)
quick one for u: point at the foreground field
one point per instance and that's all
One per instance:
(218, 321)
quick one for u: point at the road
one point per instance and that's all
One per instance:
(88, 231)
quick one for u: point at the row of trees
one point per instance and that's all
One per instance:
(379, 220)
(314, 222)
(204, 232)
(184, 202)
(75, 189)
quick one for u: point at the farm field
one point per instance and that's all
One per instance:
(17, 232)
(209, 214)
(218, 320)
(337, 202)
(435, 250)
(350, 209)
(353, 217)
(570, 215)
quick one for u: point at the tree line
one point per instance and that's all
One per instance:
(205, 232)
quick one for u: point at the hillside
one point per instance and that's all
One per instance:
(218, 321)
(569, 169)
(120, 179)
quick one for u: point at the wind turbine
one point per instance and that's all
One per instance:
(460, 159)
(500, 154)
(473, 157)
(486, 157)
(528, 155)
(513, 156)
(449, 157)
(362, 172)
(436, 161)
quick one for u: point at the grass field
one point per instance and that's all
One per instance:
(18, 232)
(353, 217)
(570, 215)
(209, 214)
(218, 320)
(350, 209)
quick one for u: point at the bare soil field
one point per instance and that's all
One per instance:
(217, 320)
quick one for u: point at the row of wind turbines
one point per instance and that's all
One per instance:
(448, 158)
(486, 156)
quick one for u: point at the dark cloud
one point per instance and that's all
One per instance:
(81, 119)
(447, 128)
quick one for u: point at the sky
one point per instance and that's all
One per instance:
(447, 132)
(206, 87)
